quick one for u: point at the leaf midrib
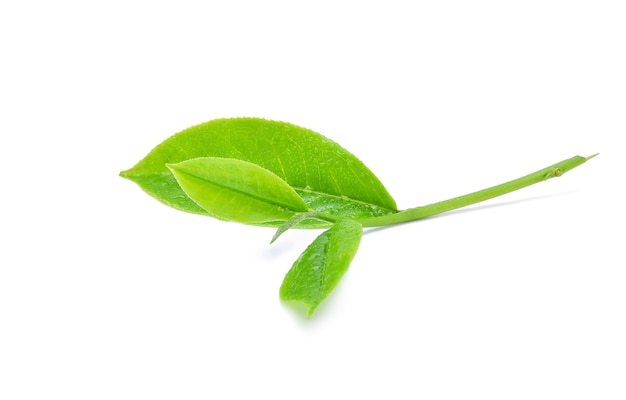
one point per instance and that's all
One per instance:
(344, 198)
(259, 198)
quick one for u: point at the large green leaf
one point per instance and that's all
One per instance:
(325, 175)
(235, 190)
(320, 267)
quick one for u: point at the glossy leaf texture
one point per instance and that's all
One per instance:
(325, 175)
(319, 269)
(235, 190)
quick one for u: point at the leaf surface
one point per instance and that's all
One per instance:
(320, 267)
(235, 190)
(325, 175)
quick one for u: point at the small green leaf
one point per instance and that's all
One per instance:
(328, 177)
(295, 220)
(320, 267)
(235, 190)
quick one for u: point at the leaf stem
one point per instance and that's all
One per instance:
(416, 213)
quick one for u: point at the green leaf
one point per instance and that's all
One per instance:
(295, 220)
(325, 175)
(320, 267)
(235, 190)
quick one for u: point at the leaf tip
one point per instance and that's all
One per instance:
(173, 168)
(310, 311)
(276, 235)
(125, 174)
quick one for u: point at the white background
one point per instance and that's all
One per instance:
(107, 294)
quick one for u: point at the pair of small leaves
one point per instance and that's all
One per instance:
(271, 173)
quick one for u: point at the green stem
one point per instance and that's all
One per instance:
(416, 213)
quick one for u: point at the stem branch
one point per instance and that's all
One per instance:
(416, 213)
